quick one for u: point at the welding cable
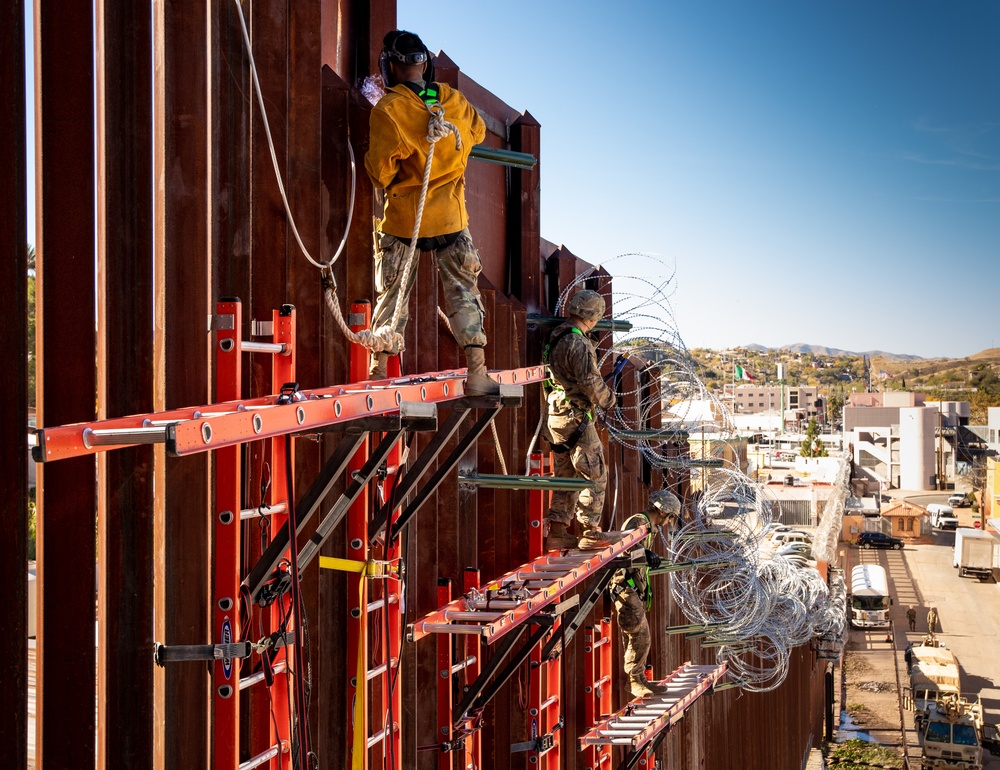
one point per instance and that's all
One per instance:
(301, 710)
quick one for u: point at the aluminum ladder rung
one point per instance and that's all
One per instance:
(124, 436)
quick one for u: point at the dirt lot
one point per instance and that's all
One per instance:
(871, 695)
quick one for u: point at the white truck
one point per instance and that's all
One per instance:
(973, 553)
(869, 599)
(942, 516)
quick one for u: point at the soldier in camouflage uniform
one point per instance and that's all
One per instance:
(574, 390)
(395, 161)
(633, 595)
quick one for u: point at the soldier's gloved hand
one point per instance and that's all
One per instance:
(652, 558)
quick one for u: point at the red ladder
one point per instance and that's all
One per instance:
(642, 724)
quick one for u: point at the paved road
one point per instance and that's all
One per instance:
(969, 612)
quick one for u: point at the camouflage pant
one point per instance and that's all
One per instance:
(631, 611)
(585, 460)
(459, 268)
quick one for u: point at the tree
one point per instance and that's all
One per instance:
(835, 406)
(812, 446)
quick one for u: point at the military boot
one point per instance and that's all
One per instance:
(377, 370)
(559, 537)
(594, 539)
(642, 687)
(478, 382)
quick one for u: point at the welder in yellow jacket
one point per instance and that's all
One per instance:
(395, 161)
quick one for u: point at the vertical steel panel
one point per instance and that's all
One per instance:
(525, 220)
(14, 390)
(182, 358)
(67, 380)
(125, 366)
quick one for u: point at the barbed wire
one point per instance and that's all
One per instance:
(756, 604)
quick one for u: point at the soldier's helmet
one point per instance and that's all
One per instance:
(586, 304)
(666, 503)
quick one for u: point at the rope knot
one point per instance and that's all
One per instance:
(438, 128)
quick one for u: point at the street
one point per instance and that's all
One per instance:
(969, 612)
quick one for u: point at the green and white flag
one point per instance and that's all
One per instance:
(741, 374)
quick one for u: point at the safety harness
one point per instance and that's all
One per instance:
(617, 589)
(551, 386)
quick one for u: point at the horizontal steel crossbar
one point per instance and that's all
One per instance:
(199, 429)
(496, 481)
(643, 719)
(537, 584)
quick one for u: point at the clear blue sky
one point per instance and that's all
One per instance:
(824, 172)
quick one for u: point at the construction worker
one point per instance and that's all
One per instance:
(633, 594)
(911, 617)
(573, 392)
(396, 161)
(932, 620)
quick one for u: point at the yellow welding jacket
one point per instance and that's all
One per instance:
(397, 155)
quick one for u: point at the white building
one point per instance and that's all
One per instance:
(901, 442)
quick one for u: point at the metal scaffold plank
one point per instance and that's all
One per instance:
(643, 719)
(531, 587)
(199, 429)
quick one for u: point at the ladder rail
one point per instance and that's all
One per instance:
(235, 421)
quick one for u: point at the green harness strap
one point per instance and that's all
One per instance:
(550, 385)
(628, 576)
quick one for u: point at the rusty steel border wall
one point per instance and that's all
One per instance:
(189, 212)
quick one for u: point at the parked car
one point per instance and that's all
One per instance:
(959, 500)
(779, 539)
(879, 540)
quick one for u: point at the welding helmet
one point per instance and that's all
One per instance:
(404, 48)
(586, 304)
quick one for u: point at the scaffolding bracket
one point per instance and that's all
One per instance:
(495, 675)
(182, 653)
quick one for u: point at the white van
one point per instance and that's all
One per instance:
(779, 539)
(942, 516)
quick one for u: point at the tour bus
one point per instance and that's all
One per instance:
(869, 597)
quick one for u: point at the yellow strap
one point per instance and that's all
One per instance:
(344, 565)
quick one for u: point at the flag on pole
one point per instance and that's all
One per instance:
(741, 374)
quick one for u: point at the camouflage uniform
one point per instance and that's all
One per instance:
(576, 388)
(459, 267)
(630, 589)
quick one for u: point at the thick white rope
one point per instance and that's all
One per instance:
(438, 128)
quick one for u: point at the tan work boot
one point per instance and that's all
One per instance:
(641, 687)
(559, 537)
(594, 539)
(478, 382)
(377, 370)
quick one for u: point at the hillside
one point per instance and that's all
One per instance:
(975, 379)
